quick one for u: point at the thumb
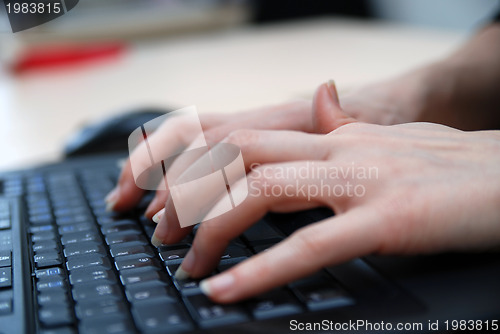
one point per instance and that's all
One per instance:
(327, 113)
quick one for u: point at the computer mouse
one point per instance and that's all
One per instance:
(111, 134)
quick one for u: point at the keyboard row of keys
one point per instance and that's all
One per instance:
(107, 271)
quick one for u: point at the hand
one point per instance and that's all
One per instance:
(394, 101)
(459, 90)
(296, 116)
(416, 188)
(290, 116)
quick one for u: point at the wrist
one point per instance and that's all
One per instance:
(434, 90)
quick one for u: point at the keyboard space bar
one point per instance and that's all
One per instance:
(15, 272)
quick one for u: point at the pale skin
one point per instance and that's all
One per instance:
(432, 182)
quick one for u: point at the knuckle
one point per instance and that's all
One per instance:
(306, 243)
(354, 127)
(242, 137)
(212, 136)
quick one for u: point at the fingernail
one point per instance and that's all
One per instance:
(332, 88)
(181, 274)
(156, 218)
(217, 284)
(186, 266)
(112, 198)
(205, 287)
(155, 241)
(110, 206)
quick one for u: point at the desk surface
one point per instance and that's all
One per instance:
(221, 71)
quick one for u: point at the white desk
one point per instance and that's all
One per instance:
(224, 71)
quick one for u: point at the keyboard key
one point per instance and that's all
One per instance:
(51, 316)
(141, 261)
(184, 243)
(189, 286)
(130, 248)
(149, 291)
(261, 232)
(41, 228)
(49, 272)
(52, 297)
(173, 256)
(92, 274)
(77, 227)
(95, 291)
(47, 259)
(234, 254)
(5, 259)
(119, 238)
(160, 316)
(4, 224)
(45, 246)
(321, 292)
(70, 211)
(115, 324)
(73, 219)
(77, 237)
(87, 260)
(39, 210)
(83, 248)
(41, 219)
(149, 230)
(103, 307)
(120, 227)
(275, 303)
(5, 306)
(43, 236)
(225, 265)
(172, 268)
(105, 220)
(209, 314)
(134, 276)
(53, 283)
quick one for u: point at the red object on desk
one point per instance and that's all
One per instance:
(54, 56)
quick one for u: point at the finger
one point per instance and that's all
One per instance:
(157, 204)
(211, 120)
(268, 146)
(327, 113)
(126, 194)
(268, 190)
(156, 218)
(294, 116)
(257, 147)
(173, 135)
(175, 170)
(328, 242)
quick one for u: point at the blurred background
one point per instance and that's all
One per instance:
(108, 57)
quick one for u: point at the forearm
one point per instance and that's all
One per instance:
(463, 90)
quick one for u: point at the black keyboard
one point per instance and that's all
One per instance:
(93, 271)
